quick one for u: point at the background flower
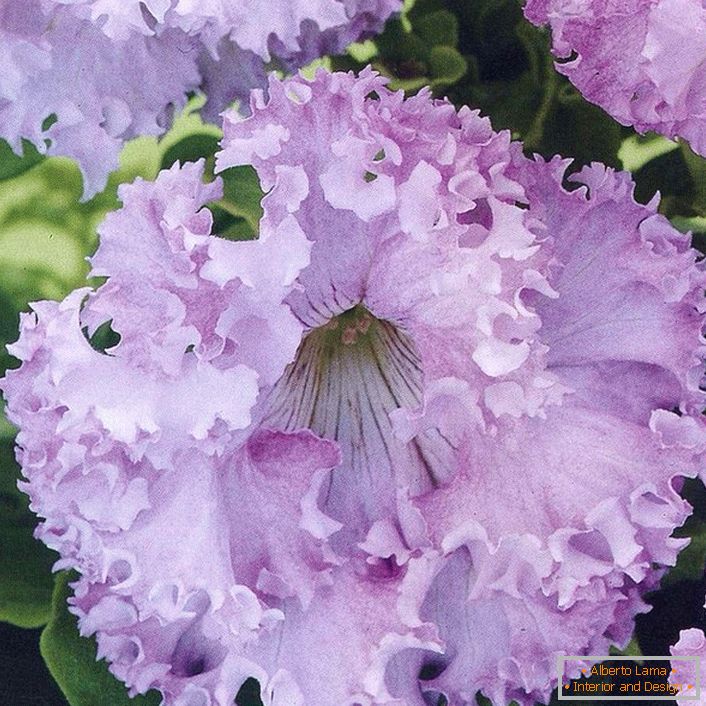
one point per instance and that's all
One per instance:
(643, 62)
(83, 77)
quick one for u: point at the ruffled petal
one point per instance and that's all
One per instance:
(642, 61)
(442, 283)
(359, 614)
(556, 473)
(500, 631)
(178, 288)
(80, 391)
(128, 91)
(176, 562)
(630, 305)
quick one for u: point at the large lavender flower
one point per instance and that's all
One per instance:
(643, 61)
(110, 70)
(418, 438)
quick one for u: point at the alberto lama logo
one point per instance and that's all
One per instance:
(604, 678)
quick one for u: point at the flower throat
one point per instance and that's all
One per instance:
(346, 379)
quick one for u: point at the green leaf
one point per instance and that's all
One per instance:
(12, 165)
(399, 48)
(25, 563)
(691, 560)
(9, 323)
(511, 105)
(191, 149)
(236, 228)
(104, 337)
(492, 31)
(71, 660)
(7, 431)
(632, 649)
(240, 207)
(696, 165)
(696, 225)
(438, 28)
(446, 66)
(578, 129)
(249, 694)
(363, 52)
(669, 175)
(486, 55)
(637, 150)
(40, 259)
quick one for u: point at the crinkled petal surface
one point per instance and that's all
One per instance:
(101, 92)
(643, 61)
(80, 77)
(420, 437)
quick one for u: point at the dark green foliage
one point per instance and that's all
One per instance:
(191, 149)
(25, 564)
(237, 215)
(249, 694)
(12, 165)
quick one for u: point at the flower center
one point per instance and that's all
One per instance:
(346, 379)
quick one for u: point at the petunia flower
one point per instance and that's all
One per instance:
(642, 61)
(80, 77)
(422, 436)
